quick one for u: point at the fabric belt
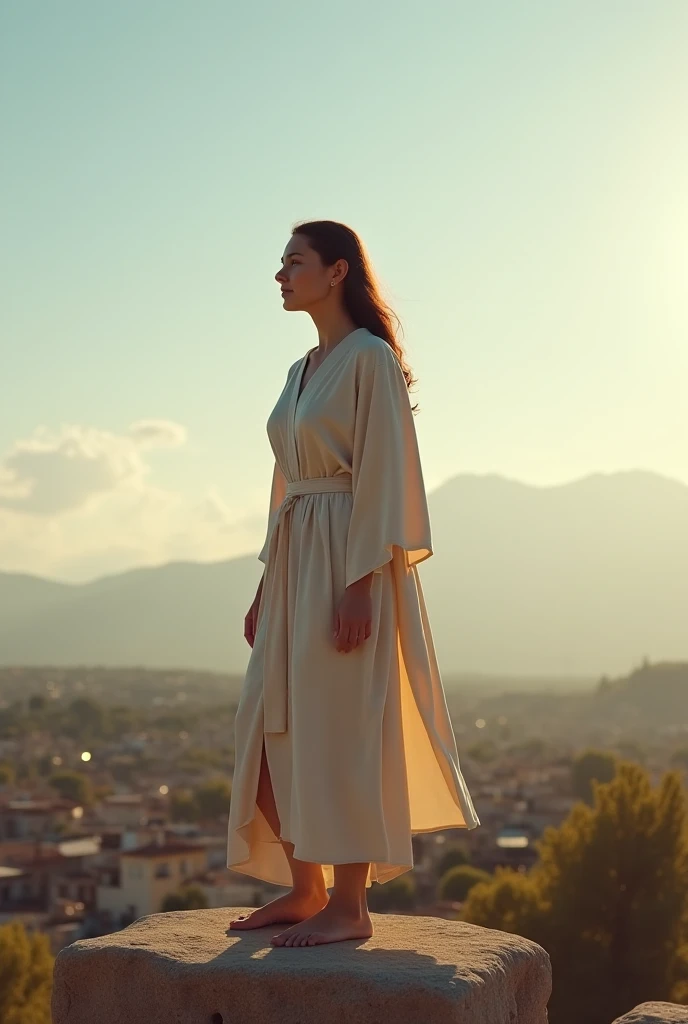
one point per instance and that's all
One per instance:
(275, 599)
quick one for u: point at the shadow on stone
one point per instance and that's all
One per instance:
(188, 966)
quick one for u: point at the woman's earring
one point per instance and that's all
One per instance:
(332, 283)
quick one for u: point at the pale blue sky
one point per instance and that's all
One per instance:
(517, 171)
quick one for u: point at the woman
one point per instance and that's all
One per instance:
(344, 746)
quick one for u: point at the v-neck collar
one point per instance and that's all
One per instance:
(299, 392)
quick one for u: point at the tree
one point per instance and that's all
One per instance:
(457, 882)
(85, 719)
(212, 799)
(484, 751)
(591, 764)
(10, 721)
(608, 899)
(183, 806)
(72, 786)
(397, 894)
(452, 857)
(26, 970)
(191, 897)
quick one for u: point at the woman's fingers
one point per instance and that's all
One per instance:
(351, 635)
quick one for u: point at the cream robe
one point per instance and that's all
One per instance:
(360, 745)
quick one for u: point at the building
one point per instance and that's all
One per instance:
(147, 875)
(124, 810)
(30, 819)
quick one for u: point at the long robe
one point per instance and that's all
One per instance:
(360, 745)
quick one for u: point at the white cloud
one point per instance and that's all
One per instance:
(78, 503)
(157, 434)
(48, 474)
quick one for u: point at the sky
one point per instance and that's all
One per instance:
(518, 174)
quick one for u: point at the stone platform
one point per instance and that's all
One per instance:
(187, 967)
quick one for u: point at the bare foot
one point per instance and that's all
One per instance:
(331, 924)
(290, 907)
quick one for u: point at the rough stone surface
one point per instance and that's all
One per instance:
(655, 1013)
(186, 967)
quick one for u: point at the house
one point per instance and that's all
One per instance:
(147, 875)
(45, 878)
(126, 810)
(29, 819)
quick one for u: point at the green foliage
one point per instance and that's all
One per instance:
(452, 857)
(509, 902)
(10, 721)
(589, 765)
(212, 799)
(73, 786)
(85, 720)
(397, 894)
(206, 802)
(183, 806)
(191, 897)
(26, 970)
(483, 751)
(456, 883)
(608, 899)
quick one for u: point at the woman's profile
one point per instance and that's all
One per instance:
(343, 743)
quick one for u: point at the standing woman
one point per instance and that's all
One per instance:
(344, 745)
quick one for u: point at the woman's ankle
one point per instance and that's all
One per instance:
(351, 904)
(309, 890)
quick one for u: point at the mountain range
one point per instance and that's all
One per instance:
(581, 579)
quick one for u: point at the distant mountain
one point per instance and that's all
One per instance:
(581, 579)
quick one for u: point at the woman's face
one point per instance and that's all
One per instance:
(304, 281)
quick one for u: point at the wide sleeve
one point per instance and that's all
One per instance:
(278, 490)
(389, 506)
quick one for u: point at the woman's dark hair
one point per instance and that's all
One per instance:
(361, 293)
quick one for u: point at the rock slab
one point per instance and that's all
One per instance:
(188, 967)
(655, 1013)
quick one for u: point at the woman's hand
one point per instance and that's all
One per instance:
(251, 617)
(353, 619)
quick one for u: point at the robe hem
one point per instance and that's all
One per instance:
(241, 867)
